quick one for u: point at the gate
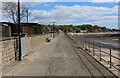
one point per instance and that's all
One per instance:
(23, 46)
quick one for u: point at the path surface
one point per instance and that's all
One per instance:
(70, 61)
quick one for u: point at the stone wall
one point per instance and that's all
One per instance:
(10, 47)
(0, 60)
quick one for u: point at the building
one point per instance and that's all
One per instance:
(11, 29)
(83, 31)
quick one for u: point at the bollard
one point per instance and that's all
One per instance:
(100, 51)
(110, 57)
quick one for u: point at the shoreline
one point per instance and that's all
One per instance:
(103, 38)
(115, 52)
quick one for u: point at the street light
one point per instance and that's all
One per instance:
(53, 29)
(54, 23)
(19, 31)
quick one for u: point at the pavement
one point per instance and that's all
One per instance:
(60, 57)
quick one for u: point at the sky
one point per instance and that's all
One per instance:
(95, 12)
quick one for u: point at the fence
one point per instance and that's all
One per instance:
(91, 44)
(102, 51)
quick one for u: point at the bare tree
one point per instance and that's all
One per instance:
(10, 10)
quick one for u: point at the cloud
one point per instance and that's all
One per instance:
(65, 14)
(29, 0)
(45, 4)
(61, 0)
(0, 11)
(31, 4)
(71, 14)
(105, 0)
(103, 20)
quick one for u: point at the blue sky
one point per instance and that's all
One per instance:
(52, 4)
(75, 12)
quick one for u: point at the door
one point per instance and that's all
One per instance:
(23, 46)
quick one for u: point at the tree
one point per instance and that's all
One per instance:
(103, 29)
(10, 10)
(113, 29)
(89, 27)
(70, 25)
(96, 27)
(83, 27)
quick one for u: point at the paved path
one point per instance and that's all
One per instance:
(70, 61)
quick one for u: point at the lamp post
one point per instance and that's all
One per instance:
(54, 23)
(53, 29)
(19, 30)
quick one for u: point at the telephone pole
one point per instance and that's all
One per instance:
(19, 30)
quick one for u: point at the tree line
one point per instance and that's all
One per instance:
(81, 28)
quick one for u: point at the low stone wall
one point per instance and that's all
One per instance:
(10, 47)
(0, 60)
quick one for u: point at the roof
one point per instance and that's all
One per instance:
(23, 24)
(7, 23)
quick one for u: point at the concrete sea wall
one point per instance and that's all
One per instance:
(35, 41)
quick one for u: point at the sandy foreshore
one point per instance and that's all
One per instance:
(115, 62)
(115, 52)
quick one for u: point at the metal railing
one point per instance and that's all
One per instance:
(92, 46)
